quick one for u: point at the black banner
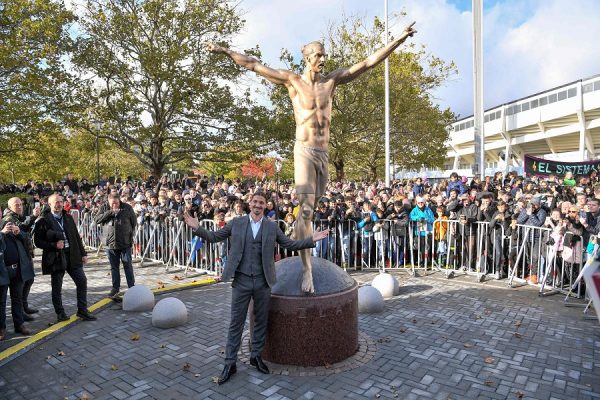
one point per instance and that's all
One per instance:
(541, 166)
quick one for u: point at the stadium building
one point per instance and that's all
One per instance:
(561, 124)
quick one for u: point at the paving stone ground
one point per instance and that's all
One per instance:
(99, 285)
(440, 339)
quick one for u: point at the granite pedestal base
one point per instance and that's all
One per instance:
(312, 330)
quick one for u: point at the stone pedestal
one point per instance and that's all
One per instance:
(317, 329)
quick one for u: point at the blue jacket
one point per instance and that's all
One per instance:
(417, 214)
(455, 185)
(367, 226)
(417, 190)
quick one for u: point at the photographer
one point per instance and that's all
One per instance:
(15, 268)
(398, 217)
(422, 218)
(572, 242)
(16, 215)
(119, 222)
(323, 220)
(368, 219)
(347, 216)
(499, 232)
(190, 208)
(535, 216)
(466, 214)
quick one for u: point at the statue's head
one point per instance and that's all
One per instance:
(314, 56)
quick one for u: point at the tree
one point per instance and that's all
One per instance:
(34, 39)
(356, 144)
(160, 95)
(258, 168)
(57, 153)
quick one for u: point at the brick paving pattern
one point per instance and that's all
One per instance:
(440, 339)
(99, 284)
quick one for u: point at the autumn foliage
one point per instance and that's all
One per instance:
(258, 168)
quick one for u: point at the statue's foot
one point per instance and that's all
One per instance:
(307, 282)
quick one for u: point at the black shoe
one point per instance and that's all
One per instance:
(229, 370)
(27, 317)
(259, 364)
(60, 317)
(113, 292)
(85, 315)
(29, 310)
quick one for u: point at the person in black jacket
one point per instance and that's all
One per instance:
(15, 268)
(56, 234)
(16, 215)
(467, 232)
(119, 222)
(398, 217)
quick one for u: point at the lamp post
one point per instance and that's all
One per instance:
(387, 102)
(97, 128)
(278, 166)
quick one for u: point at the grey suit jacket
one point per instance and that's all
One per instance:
(236, 230)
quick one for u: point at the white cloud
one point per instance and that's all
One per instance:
(558, 44)
(529, 46)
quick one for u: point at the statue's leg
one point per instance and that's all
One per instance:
(304, 229)
(310, 174)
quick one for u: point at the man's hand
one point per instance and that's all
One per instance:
(319, 235)
(60, 244)
(7, 229)
(16, 230)
(190, 221)
(84, 259)
(36, 212)
(409, 31)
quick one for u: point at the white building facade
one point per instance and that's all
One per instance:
(562, 123)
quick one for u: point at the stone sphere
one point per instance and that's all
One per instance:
(138, 298)
(169, 313)
(386, 284)
(370, 300)
(328, 278)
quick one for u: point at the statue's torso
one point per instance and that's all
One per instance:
(312, 110)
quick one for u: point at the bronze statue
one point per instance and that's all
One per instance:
(311, 94)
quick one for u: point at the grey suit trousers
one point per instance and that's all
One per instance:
(244, 288)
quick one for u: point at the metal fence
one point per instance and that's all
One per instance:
(521, 254)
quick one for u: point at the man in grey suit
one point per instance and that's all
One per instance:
(251, 265)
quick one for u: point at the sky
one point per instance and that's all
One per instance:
(529, 45)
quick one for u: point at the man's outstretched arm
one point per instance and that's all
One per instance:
(345, 75)
(277, 76)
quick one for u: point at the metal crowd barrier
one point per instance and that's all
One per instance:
(523, 254)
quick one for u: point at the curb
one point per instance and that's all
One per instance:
(24, 346)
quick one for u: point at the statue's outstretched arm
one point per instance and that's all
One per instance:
(277, 76)
(345, 75)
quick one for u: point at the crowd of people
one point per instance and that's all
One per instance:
(370, 224)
